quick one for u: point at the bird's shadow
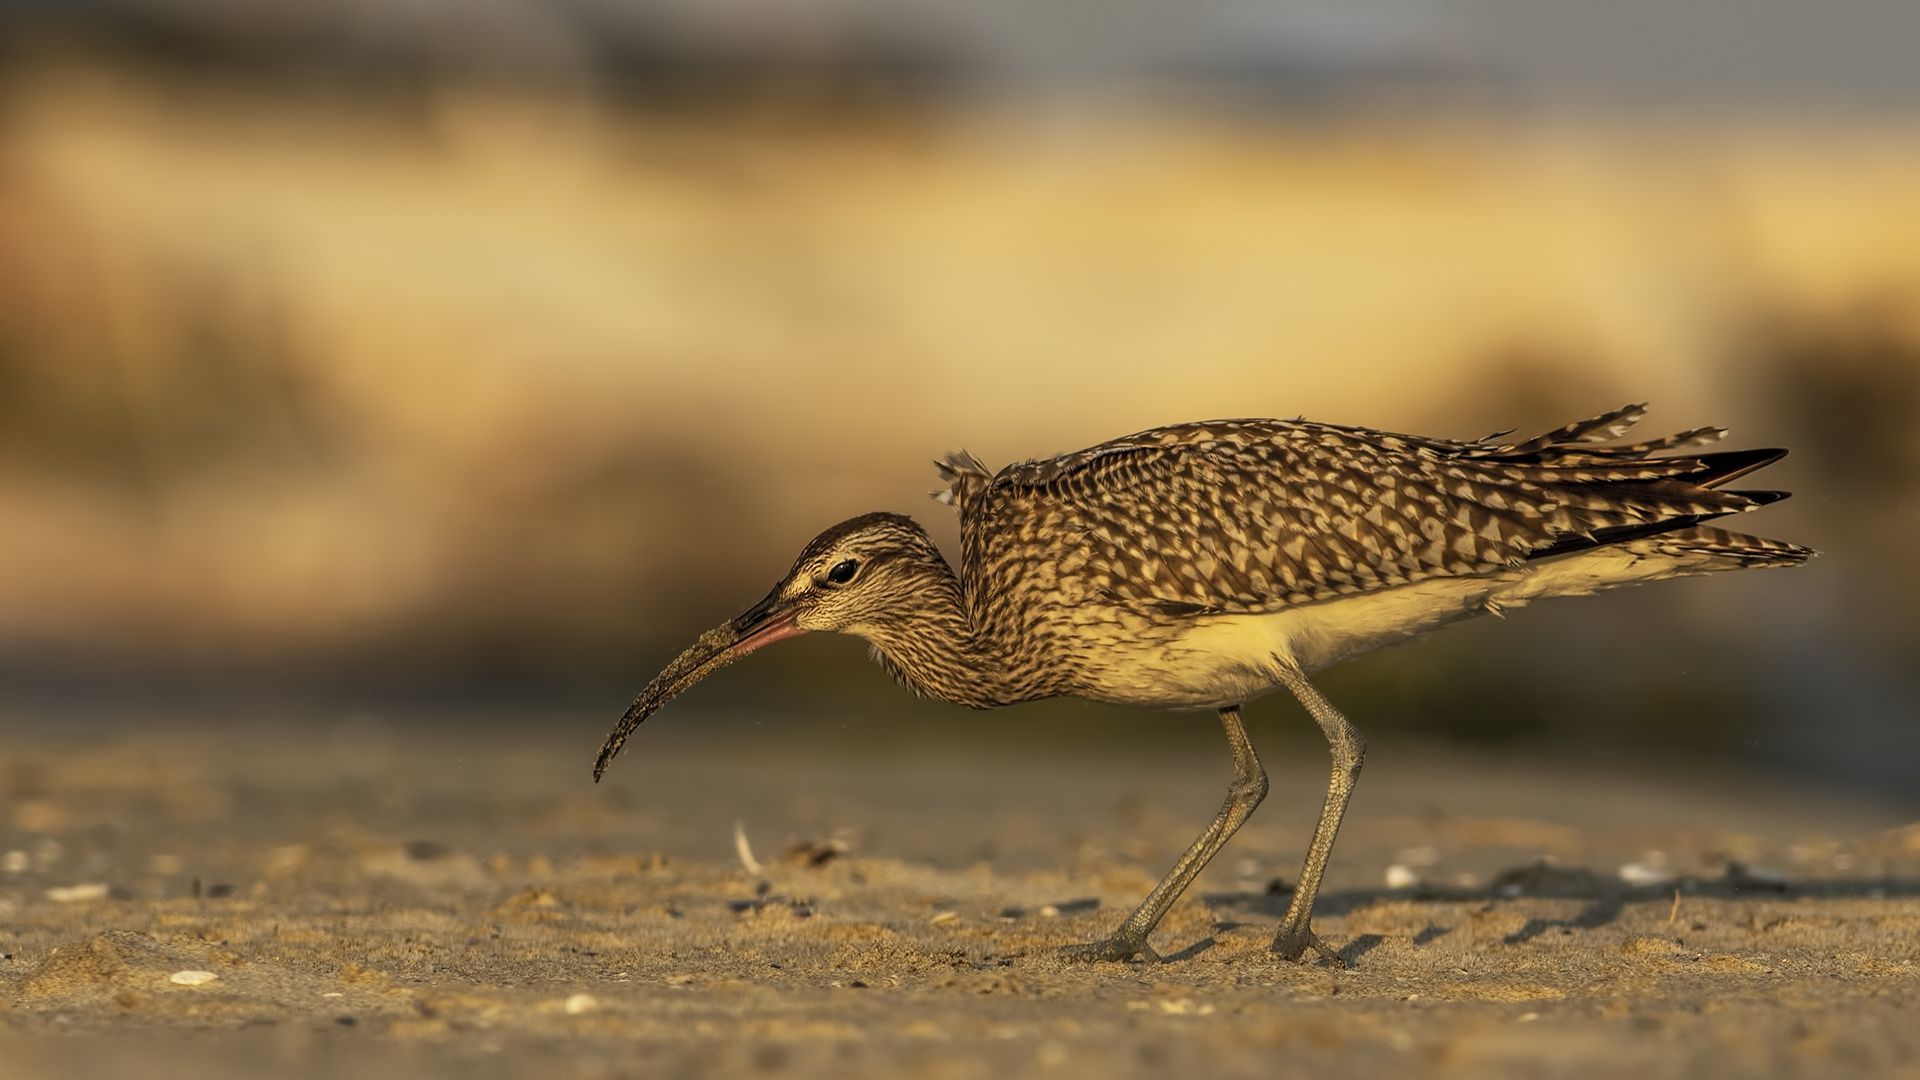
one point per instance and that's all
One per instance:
(1606, 898)
(1596, 914)
(1192, 950)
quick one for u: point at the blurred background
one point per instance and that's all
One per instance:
(374, 359)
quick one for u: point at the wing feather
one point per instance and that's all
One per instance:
(1257, 515)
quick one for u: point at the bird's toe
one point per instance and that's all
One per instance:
(1295, 945)
(1118, 949)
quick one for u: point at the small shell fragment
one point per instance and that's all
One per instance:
(1402, 877)
(945, 918)
(68, 894)
(581, 1003)
(191, 978)
(1639, 873)
(745, 850)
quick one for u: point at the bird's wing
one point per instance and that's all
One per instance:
(1256, 515)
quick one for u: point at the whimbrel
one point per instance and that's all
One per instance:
(1201, 565)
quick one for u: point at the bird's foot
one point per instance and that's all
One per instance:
(1118, 949)
(1294, 943)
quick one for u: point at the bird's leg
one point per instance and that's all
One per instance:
(1248, 788)
(1349, 752)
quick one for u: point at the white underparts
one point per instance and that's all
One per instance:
(1224, 659)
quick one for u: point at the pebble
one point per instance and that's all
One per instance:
(1639, 873)
(1402, 877)
(581, 1003)
(945, 918)
(191, 978)
(68, 894)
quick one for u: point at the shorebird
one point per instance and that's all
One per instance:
(1201, 565)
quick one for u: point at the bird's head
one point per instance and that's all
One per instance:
(852, 578)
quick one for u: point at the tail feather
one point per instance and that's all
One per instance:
(1577, 444)
(1717, 469)
(1706, 549)
(1620, 495)
(1610, 425)
(1705, 436)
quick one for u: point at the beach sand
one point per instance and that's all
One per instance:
(451, 898)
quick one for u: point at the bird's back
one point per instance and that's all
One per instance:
(1178, 565)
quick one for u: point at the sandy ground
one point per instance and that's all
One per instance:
(458, 899)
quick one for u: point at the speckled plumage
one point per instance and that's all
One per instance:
(1204, 564)
(1140, 538)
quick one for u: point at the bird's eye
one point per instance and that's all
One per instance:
(842, 572)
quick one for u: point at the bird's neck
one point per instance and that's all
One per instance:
(934, 648)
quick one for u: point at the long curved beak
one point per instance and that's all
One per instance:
(766, 622)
